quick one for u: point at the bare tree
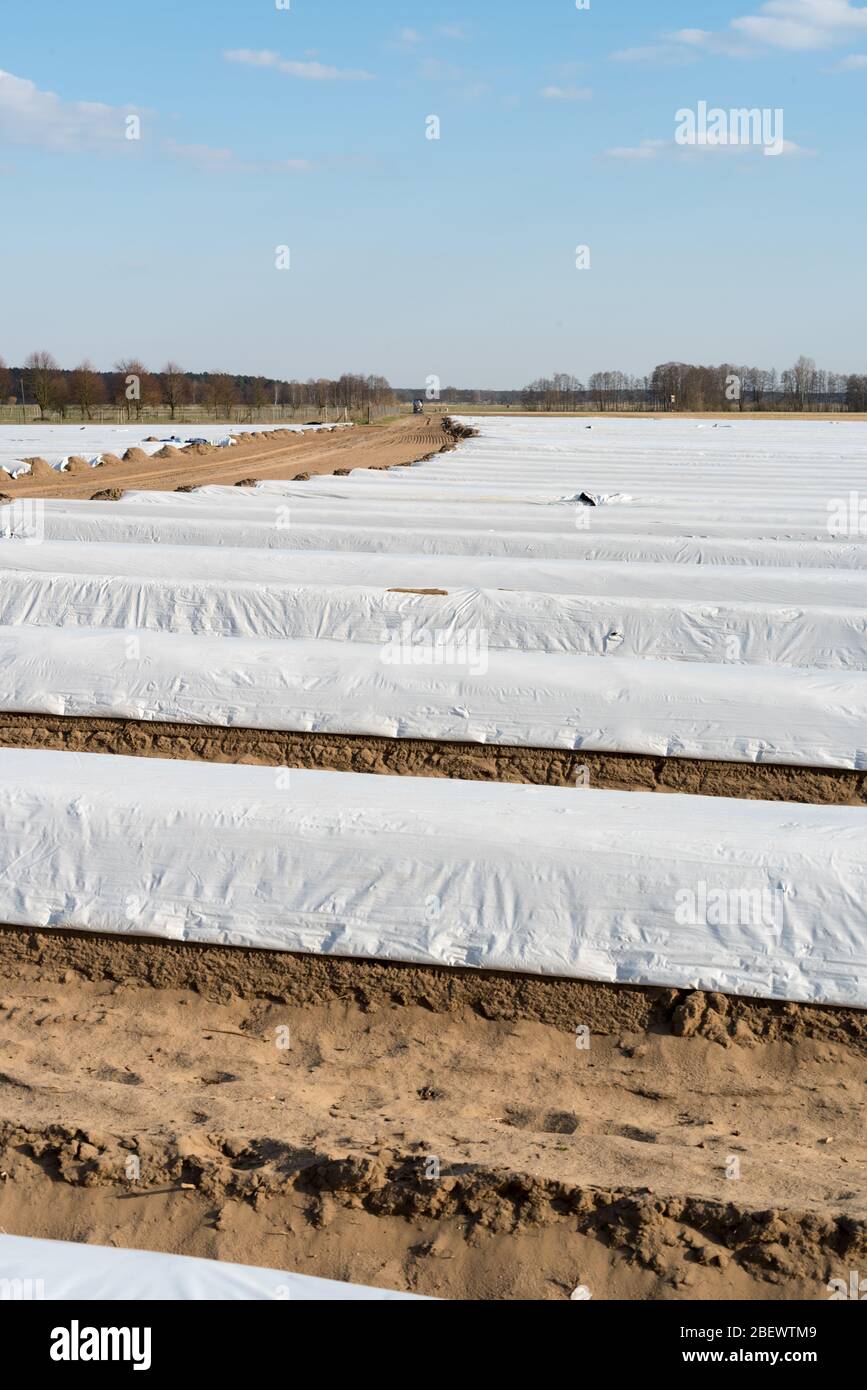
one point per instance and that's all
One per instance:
(759, 384)
(257, 392)
(5, 381)
(803, 381)
(86, 389)
(43, 380)
(220, 393)
(134, 386)
(175, 391)
(856, 393)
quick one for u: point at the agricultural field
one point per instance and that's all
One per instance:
(438, 864)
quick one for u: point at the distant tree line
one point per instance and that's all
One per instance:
(676, 386)
(135, 389)
(685, 386)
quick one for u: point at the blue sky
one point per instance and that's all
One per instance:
(456, 257)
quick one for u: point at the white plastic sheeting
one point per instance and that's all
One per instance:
(818, 636)
(413, 516)
(670, 582)
(57, 443)
(773, 512)
(671, 456)
(738, 480)
(684, 709)
(559, 531)
(754, 898)
(730, 565)
(57, 1270)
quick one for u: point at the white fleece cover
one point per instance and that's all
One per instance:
(736, 512)
(488, 521)
(755, 898)
(820, 636)
(738, 480)
(752, 714)
(674, 583)
(60, 1269)
(551, 532)
(668, 459)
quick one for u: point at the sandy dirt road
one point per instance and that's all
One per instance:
(271, 454)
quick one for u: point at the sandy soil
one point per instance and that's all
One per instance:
(271, 454)
(390, 1140)
(429, 758)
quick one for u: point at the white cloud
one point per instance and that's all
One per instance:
(310, 71)
(411, 37)
(554, 93)
(698, 37)
(30, 116)
(795, 26)
(803, 24)
(856, 62)
(658, 149)
(414, 38)
(648, 149)
(216, 160)
(787, 148)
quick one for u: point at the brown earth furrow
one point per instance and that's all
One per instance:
(401, 1136)
(226, 973)
(432, 758)
(382, 1219)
